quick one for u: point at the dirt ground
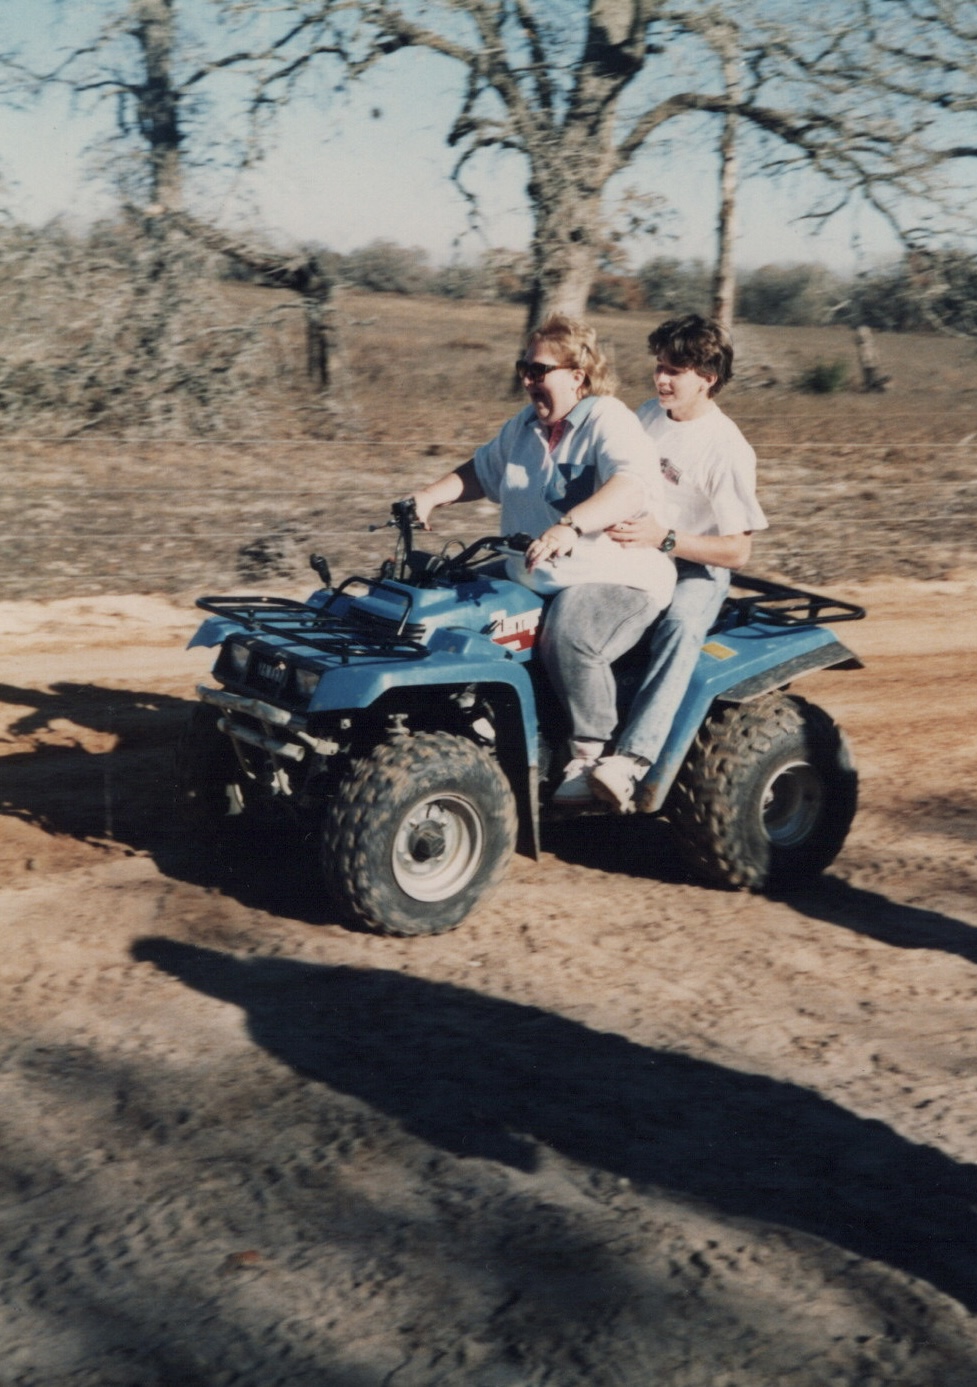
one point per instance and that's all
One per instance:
(616, 1130)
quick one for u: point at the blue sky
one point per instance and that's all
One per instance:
(342, 176)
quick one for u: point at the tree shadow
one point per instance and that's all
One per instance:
(70, 783)
(479, 1076)
(877, 917)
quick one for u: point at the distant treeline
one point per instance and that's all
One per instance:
(129, 328)
(917, 294)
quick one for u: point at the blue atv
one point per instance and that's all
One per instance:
(402, 719)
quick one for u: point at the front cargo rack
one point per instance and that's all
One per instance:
(352, 635)
(778, 604)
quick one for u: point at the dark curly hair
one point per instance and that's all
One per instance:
(696, 342)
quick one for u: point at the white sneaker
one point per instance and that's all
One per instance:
(614, 780)
(574, 790)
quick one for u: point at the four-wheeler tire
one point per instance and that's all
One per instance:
(418, 832)
(766, 796)
(206, 773)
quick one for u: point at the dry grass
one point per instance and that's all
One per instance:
(853, 484)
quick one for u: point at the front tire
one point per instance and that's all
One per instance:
(766, 796)
(418, 832)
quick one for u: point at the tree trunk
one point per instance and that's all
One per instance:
(311, 278)
(873, 377)
(565, 253)
(724, 280)
(316, 341)
(158, 101)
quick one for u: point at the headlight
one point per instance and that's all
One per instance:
(238, 656)
(306, 682)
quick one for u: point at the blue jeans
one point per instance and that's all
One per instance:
(586, 628)
(675, 645)
(589, 626)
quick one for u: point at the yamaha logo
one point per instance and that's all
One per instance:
(272, 670)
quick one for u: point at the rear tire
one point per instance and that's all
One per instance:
(766, 796)
(417, 833)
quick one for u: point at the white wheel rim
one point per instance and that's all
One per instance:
(438, 848)
(791, 804)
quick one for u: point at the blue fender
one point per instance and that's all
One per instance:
(451, 658)
(214, 631)
(735, 666)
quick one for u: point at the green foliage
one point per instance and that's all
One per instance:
(790, 295)
(825, 377)
(675, 286)
(923, 292)
(383, 267)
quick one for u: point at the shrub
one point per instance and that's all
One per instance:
(789, 295)
(386, 268)
(673, 286)
(123, 329)
(824, 377)
(616, 291)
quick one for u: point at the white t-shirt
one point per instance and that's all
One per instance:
(534, 487)
(709, 471)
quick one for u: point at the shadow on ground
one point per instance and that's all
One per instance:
(126, 795)
(875, 916)
(478, 1076)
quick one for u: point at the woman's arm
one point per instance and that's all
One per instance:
(460, 485)
(619, 496)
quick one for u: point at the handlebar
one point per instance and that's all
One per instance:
(403, 514)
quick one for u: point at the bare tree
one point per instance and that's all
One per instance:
(138, 59)
(580, 89)
(726, 39)
(310, 275)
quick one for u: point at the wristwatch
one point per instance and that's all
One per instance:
(569, 520)
(668, 543)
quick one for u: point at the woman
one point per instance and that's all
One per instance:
(573, 463)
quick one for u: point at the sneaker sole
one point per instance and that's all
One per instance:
(608, 796)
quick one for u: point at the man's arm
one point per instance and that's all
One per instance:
(725, 551)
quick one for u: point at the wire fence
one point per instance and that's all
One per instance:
(104, 516)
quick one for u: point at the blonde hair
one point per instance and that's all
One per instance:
(576, 344)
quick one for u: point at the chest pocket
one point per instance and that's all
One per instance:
(571, 485)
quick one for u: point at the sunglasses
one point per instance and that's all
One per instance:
(537, 371)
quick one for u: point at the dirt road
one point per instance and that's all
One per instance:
(616, 1129)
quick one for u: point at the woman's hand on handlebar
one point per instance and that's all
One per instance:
(554, 543)
(423, 507)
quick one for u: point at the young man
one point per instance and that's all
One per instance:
(710, 478)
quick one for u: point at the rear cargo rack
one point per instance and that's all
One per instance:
(352, 635)
(777, 604)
